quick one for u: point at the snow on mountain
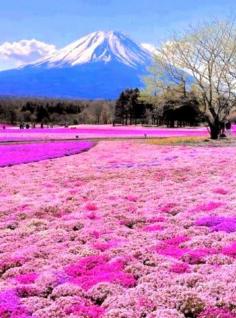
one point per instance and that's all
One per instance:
(149, 48)
(99, 46)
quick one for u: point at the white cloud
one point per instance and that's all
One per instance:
(13, 54)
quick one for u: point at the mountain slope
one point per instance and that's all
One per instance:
(99, 65)
(98, 81)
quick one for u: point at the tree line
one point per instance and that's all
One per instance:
(174, 107)
(33, 111)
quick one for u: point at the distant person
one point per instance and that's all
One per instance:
(228, 127)
(222, 130)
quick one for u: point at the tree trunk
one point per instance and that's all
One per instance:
(215, 131)
(126, 120)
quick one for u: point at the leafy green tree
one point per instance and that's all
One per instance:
(129, 108)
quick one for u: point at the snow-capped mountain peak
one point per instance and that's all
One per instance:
(101, 46)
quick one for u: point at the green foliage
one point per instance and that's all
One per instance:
(191, 307)
(174, 105)
(129, 108)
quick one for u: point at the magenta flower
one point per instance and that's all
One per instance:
(26, 278)
(84, 310)
(171, 250)
(214, 312)
(230, 250)
(92, 270)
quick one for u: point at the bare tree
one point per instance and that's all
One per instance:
(206, 56)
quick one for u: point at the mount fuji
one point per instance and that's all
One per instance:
(97, 66)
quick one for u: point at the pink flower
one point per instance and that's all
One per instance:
(220, 191)
(92, 216)
(169, 207)
(207, 206)
(170, 247)
(171, 250)
(198, 255)
(131, 197)
(180, 268)
(91, 206)
(103, 246)
(176, 240)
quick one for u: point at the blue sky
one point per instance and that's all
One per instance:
(60, 22)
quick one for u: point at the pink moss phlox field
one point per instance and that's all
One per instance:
(94, 131)
(126, 229)
(26, 153)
